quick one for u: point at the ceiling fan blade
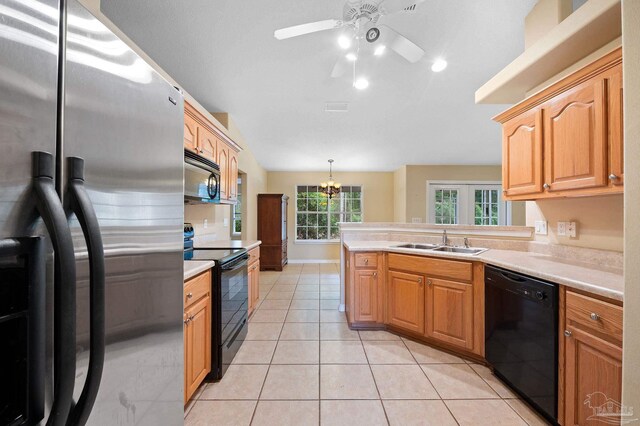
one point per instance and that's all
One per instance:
(387, 7)
(311, 27)
(340, 68)
(401, 45)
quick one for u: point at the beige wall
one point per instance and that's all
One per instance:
(416, 186)
(377, 195)
(631, 54)
(400, 194)
(599, 220)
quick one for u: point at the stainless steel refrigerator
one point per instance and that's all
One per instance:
(91, 213)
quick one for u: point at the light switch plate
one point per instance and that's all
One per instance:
(562, 229)
(205, 224)
(541, 227)
(226, 222)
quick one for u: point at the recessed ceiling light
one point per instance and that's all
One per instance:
(361, 83)
(344, 42)
(351, 57)
(438, 65)
(380, 50)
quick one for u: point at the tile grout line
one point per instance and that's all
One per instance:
(373, 376)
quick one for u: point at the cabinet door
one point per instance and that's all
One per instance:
(575, 142)
(405, 303)
(450, 312)
(593, 378)
(254, 286)
(366, 296)
(616, 130)
(233, 175)
(522, 154)
(207, 144)
(223, 162)
(190, 134)
(198, 347)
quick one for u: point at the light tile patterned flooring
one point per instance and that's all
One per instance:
(302, 365)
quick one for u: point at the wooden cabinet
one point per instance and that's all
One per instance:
(254, 278)
(272, 230)
(365, 291)
(197, 332)
(204, 138)
(365, 283)
(405, 301)
(449, 311)
(592, 359)
(567, 139)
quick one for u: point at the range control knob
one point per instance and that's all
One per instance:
(539, 295)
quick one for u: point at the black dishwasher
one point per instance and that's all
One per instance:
(521, 336)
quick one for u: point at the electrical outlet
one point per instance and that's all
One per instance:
(572, 229)
(416, 220)
(205, 224)
(226, 222)
(541, 227)
(562, 229)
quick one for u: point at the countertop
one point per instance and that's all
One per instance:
(592, 278)
(194, 267)
(248, 244)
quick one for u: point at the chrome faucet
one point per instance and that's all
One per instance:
(466, 242)
(445, 240)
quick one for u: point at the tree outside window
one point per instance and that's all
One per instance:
(317, 216)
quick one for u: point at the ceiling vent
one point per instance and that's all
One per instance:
(336, 107)
(411, 8)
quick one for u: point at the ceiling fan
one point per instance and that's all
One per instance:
(360, 21)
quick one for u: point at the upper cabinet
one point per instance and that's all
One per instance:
(567, 139)
(204, 138)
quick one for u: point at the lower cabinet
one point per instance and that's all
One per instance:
(197, 332)
(365, 285)
(592, 361)
(405, 301)
(365, 289)
(450, 312)
(253, 277)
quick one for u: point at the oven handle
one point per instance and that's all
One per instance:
(236, 264)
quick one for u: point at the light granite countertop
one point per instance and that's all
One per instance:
(248, 244)
(194, 267)
(592, 278)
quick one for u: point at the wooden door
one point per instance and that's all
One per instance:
(593, 378)
(198, 346)
(522, 154)
(575, 142)
(450, 312)
(190, 134)
(365, 295)
(207, 144)
(223, 162)
(233, 175)
(616, 129)
(405, 301)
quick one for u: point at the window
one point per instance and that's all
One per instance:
(237, 211)
(317, 216)
(467, 204)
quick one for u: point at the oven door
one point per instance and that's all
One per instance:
(234, 301)
(201, 183)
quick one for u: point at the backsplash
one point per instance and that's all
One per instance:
(215, 215)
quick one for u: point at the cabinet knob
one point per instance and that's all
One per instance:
(594, 316)
(189, 295)
(613, 177)
(187, 321)
(375, 274)
(420, 281)
(567, 333)
(546, 186)
(429, 282)
(366, 261)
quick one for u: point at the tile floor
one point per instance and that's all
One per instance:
(302, 365)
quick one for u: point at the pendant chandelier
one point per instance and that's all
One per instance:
(330, 188)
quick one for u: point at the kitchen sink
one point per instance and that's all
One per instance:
(461, 250)
(418, 246)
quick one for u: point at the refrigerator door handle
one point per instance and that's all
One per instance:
(81, 205)
(50, 209)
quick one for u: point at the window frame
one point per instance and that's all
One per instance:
(466, 200)
(234, 210)
(342, 212)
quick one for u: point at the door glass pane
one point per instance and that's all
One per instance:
(446, 206)
(486, 207)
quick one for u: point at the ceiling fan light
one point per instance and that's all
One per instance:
(380, 50)
(344, 42)
(361, 83)
(438, 65)
(351, 57)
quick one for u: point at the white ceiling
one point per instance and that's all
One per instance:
(224, 54)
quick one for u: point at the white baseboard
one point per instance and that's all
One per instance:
(314, 261)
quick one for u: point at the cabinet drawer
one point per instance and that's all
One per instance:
(450, 269)
(366, 260)
(254, 254)
(196, 288)
(594, 314)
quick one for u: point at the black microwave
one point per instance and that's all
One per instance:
(201, 179)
